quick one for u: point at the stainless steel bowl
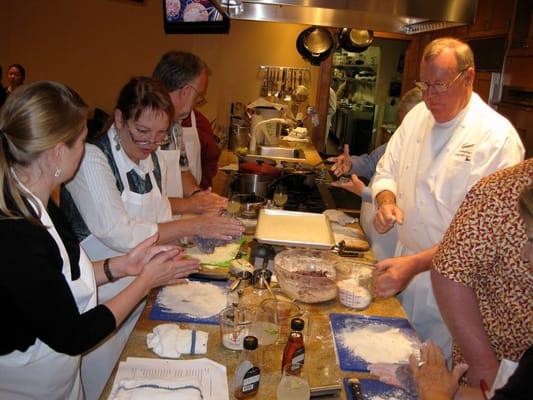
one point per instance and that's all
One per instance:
(250, 205)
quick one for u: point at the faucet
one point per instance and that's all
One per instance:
(260, 124)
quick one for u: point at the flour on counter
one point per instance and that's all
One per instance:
(194, 298)
(378, 344)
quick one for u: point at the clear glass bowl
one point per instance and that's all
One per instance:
(307, 275)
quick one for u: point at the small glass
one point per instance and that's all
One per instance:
(234, 205)
(235, 325)
(280, 196)
(294, 383)
(266, 326)
(285, 311)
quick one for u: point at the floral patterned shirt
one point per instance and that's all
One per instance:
(482, 250)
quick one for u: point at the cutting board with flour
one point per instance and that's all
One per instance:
(160, 313)
(373, 389)
(343, 323)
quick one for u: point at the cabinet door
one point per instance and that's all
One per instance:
(492, 17)
(522, 120)
(483, 16)
(522, 34)
(482, 85)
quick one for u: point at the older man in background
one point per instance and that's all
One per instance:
(442, 147)
(185, 77)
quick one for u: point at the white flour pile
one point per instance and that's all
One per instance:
(378, 344)
(194, 298)
(222, 254)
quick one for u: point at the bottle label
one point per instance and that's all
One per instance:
(250, 382)
(298, 359)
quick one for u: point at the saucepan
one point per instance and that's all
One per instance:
(355, 40)
(253, 184)
(298, 175)
(258, 165)
(315, 44)
(250, 205)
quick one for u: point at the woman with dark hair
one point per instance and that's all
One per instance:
(16, 75)
(118, 198)
(48, 285)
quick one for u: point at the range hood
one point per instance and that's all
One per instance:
(401, 16)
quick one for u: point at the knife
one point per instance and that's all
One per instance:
(355, 388)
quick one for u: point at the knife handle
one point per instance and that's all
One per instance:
(356, 389)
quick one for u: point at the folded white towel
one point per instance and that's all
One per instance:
(169, 341)
(157, 389)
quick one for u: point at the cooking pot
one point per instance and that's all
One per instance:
(296, 176)
(355, 40)
(315, 44)
(250, 205)
(253, 184)
(258, 165)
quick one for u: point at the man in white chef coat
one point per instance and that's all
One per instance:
(443, 146)
(185, 77)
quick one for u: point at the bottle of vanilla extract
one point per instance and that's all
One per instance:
(294, 351)
(245, 382)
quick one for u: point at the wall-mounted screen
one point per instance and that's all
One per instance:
(194, 16)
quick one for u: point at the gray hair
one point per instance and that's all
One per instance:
(176, 69)
(410, 99)
(463, 52)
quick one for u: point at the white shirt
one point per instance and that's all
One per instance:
(430, 166)
(98, 200)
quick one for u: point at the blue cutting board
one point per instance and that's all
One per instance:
(159, 313)
(339, 322)
(371, 388)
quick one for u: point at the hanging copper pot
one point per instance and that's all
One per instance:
(355, 40)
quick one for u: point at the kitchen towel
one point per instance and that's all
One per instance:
(169, 341)
(157, 389)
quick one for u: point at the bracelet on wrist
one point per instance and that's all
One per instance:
(107, 271)
(195, 191)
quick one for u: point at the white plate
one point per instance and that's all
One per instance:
(294, 228)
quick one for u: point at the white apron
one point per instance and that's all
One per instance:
(383, 245)
(420, 305)
(191, 139)
(174, 183)
(98, 364)
(40, 372)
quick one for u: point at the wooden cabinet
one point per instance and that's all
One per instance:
(522, 120)
(522, 30)
(482, 85)
(493, 17)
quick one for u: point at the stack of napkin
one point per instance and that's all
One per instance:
(169, 341)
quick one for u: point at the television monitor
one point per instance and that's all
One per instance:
(194, 16)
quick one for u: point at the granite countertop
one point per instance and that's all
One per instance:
(320, 358)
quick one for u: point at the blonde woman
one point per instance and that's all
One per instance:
(48, 286)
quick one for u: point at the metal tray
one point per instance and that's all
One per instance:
(293, 228)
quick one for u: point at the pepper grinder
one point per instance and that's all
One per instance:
(262, 255)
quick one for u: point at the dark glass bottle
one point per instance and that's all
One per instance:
(245, 382)
(294, 352)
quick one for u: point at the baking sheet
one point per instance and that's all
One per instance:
(293, 228)
(159, 313)
(338, 322)
(371, 389)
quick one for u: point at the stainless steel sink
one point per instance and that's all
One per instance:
(281, 152)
